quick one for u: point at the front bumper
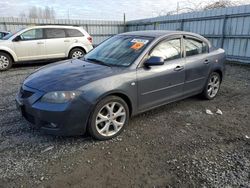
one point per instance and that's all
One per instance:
(66, 119)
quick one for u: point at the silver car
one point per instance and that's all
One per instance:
(43, 43)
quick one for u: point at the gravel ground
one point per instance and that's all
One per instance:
(177, 145)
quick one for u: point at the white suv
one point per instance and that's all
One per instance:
(42, 43)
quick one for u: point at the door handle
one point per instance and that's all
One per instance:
(206, 61)
(66, 40)
(178, 68)
(40, 42)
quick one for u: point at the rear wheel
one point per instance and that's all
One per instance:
(76, 53)
(109, 118)
(212, 86)
(5, 61)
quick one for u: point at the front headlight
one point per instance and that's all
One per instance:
(59, 96)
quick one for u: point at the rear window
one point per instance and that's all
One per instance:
(194, 47)
(55, 33)
(74, 33)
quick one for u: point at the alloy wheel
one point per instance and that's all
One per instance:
(77, 55)
(110, 119)
(213, 86)
(4, 62)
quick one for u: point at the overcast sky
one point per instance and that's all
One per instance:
(98, 9)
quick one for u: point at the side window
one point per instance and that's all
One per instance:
(194, 47)
(33, 34)
(52, 33)
(73, 33)
(168, 49)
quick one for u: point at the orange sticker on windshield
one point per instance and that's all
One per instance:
(137, 45)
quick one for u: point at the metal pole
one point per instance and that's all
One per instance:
(154, 25)
(124, 18)
(87, 28)
(124, 23)
(223, 31)
(182, 25)
(178, 7)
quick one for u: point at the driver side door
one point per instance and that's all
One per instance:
(31, 45)
(163, 83)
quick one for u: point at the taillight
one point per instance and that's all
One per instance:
(90, 39)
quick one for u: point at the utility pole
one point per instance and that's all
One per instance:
(178, 8)
(124, 22)
(124, 18)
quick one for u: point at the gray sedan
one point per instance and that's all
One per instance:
(125, 75)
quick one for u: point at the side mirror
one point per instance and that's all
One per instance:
(18, 38)
(154, 61)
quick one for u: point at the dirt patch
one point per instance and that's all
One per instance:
(177, 145)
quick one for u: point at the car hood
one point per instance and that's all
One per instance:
(68, 75)
(3, 41)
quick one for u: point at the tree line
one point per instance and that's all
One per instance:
(39, 12)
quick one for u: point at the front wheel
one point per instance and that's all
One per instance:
(212, 86)
(109, 118)
(5, 61)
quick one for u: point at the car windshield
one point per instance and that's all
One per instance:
(120, 50)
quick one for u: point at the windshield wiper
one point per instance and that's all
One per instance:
(97, 61)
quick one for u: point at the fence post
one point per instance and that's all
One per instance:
(5, 26)
(223, 31)
(87, 27)
(125, 28)
(182, 25)
(154, 25)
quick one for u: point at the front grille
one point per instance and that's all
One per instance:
(25, 93)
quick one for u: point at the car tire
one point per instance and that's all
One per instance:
(212, 86)
(109, 118)
(76, 53)
(5, 61)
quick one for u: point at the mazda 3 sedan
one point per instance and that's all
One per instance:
(125, 75)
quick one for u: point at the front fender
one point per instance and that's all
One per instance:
(9, 51)
(118, 85)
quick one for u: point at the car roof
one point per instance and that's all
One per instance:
(159, 33)
(162, 33)
(52, 26)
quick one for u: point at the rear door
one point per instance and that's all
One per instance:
(56, 42)
(163, 83)
(197, 64)
(31, 45)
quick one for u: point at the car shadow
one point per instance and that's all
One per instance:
(158, 110)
